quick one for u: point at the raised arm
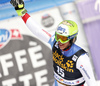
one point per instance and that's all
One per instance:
(31, 24)
(35, 28)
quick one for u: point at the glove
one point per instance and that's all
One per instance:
(19, 7)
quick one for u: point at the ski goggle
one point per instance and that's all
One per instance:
(62, 39)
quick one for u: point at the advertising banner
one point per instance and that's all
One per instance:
(48, 19)
(23, 60)
(8, 11)
(90, 14)
(92, 30)
(89, 9)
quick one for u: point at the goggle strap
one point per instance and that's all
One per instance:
(72, 36)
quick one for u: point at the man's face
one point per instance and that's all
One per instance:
(63, 45)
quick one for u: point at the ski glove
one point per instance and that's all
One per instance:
(19, 7)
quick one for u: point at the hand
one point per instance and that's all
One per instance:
(97, 4)
(19, 6)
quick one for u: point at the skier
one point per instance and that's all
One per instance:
(72, 66)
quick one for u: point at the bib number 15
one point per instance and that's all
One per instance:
(60, 71)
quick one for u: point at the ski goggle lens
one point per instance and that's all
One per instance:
(62, 39)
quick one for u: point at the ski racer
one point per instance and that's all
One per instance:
(72, 66)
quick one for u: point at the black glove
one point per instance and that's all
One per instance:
(19, 7)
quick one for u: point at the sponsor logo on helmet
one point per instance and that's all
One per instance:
(67, 23)
(61, 29)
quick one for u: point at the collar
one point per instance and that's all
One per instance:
(66, 49)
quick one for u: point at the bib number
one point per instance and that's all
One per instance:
(60, 71)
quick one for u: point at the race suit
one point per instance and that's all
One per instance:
(72, 67)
